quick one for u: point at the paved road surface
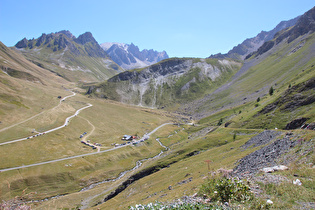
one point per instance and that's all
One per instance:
(62, 159)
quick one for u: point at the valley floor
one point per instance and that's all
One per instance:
(171, 162)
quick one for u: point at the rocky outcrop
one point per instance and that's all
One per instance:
(22, 43)
(85, 38)
(297, 123)
(169, 67)
(299, 95)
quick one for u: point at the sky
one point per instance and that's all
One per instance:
(195, 28)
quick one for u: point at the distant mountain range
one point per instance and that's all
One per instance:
(63, 54)
(130, 57)
(250, 45)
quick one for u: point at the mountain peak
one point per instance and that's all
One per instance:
(22, 43)
(85, 38)
(67, 33)
(128, 56)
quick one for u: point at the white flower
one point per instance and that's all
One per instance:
(269, 201)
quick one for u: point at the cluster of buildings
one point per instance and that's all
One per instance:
(130, 140)
(127, 138)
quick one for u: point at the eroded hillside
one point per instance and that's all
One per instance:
(167, 84)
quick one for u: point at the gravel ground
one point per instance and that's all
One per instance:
(261, 139)
(265, 157)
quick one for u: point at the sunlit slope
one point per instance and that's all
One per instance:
(26, 89)
(105, 124)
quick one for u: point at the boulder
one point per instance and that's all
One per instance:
(297, 182)
(274, 168)
(297, 123)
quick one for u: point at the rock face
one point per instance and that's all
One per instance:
(299, 95)
(174, 66)
(130, 57)
(252, 44)
(22, 43)
(297, 123)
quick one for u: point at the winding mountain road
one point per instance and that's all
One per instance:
(51, 130)
(82, 155)
(11, 126)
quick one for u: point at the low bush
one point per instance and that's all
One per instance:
(226, 189)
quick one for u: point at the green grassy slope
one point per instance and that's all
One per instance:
(283, 66)
(105, 123)
(26, 89)
(184, 170)
(71, 67)
(227, 112)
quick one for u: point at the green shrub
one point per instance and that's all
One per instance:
(234, 136)
(220, 122)
(226, 189)
(271, 90)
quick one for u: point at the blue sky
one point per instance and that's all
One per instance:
(195, 28)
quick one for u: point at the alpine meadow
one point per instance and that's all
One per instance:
(88, 125)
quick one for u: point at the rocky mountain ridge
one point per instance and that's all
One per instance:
(64, 39)
(305, 25)
(62, 52)
(250, 45)
(130, 57)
